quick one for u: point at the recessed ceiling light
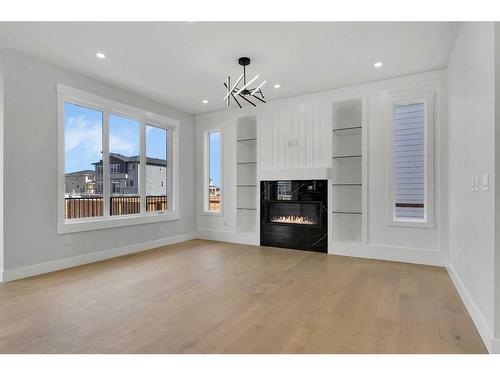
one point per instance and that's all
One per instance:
(204, 101)
(100, 55)
(378, 64)
(277, 85)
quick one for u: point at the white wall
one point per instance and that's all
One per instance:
(471, 87)
(31, 173)
(308, 117)
(1, 169)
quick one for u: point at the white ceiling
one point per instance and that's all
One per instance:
(182, 63)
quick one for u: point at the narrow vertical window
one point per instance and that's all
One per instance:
(123, 152)
(82, 151)
(214, 172)
(409, 162)
(156, 168)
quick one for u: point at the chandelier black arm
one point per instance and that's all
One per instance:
(256, 97)
(237, 102)
(247, 100)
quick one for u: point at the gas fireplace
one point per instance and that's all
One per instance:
(294, 214)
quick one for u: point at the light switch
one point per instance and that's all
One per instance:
(473, 183)
(476, 182)
(486, 182)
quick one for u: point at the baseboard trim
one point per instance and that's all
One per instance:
(390, 253)
(227, 236)
(56, 265)
(492, 344)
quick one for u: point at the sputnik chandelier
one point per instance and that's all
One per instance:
(245, 92)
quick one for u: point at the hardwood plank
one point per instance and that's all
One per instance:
(213, 297)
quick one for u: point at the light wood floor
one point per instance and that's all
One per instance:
(211, 297)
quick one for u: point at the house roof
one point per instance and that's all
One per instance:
(83, 172)
(135, 159)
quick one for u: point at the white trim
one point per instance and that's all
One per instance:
(41, 268)
(2, 126)
(427, 98)
(479, 321)
(206, 172)
(431, 257)
(318, 173)
(107, 106)
(84, 225)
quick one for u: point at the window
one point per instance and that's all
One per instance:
(114, 168)
(123, 152)
(213, 189)
(156, 168)
(82, 150)
(411, 167)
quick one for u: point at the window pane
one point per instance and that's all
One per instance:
(214, 175)
(82, 152)
(156, 168)
(123, 165)
(409, 148)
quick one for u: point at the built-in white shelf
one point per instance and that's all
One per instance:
(346, 188)
(246, 175)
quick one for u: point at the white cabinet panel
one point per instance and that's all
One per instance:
(294, 137)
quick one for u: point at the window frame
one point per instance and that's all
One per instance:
(427, 99)
(107, 107)
(206, 172)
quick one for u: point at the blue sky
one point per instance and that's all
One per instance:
(214, 139)
(83, 137)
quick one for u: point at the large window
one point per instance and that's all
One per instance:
(115, 161)
(213, 188)
(82, 150)
(411, 171)
(157, 172)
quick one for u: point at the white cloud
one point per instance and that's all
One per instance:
(120, 145)
(82, 132)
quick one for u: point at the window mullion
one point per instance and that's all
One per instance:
(142, 166)
(105, 166)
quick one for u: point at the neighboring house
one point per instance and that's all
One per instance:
(80, 183)
(124, 174)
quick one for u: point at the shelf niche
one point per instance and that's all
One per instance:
(347, 155)
(246, 174)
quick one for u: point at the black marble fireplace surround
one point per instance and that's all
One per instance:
(294, 214)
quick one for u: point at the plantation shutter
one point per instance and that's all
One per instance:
(409, 168)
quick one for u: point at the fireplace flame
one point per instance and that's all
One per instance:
(293, 219)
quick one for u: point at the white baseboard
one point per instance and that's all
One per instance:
(59, 264)
(227, 236)
(492, 344)
(391, 253)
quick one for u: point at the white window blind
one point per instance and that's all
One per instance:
(409, 161)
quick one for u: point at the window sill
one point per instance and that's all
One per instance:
(115, 222)
(410, 223)
(208, 213)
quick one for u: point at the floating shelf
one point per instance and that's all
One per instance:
(247, 186)
(347, 156)
(347, 185)
(347, 212)
(246, 209)
(246, 140)
(247, 162)
(350, 130)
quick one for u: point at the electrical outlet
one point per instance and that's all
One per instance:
(486, 182)
(67, 239)
(476, 182)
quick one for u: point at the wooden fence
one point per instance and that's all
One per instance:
(75, 208)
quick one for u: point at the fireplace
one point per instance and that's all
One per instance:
(294, 214)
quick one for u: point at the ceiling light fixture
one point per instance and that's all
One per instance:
(378, 64)
(245, 92)
(277, 85)
(100, 55)
(204, 101)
